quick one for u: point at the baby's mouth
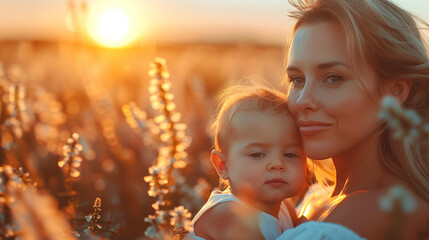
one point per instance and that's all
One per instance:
(276, 182)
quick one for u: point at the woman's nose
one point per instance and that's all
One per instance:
(306, 99)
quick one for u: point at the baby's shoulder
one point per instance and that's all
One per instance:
(371, 215)
(228, 220)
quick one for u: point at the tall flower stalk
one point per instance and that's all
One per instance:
(71, 162)
(173, 196)
(72, 151)
(94, 218)
(14, 114)
(13, 184)
(16, 107)
(173, 134)
(7, 226)
(164, 175)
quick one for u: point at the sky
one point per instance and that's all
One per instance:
(167, 20)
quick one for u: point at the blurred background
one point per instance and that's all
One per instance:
(81, 61)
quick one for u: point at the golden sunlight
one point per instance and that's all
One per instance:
(112, 28)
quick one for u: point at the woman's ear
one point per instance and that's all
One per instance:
(399, 89)
(218, 161)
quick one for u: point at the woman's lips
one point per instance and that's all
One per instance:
(308, 128)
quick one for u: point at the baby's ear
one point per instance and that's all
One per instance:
(399, 88)
(218, 161)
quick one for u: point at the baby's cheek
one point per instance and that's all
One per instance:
(247, 188)
(298, 179)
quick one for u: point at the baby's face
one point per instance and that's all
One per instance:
(265, 159)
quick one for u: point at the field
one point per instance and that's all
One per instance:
(50, 91)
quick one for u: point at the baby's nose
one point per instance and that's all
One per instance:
(277, 165)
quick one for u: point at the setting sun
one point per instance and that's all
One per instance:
(112, 28)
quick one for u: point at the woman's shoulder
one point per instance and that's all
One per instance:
(379, 214)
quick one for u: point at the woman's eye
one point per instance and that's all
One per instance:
(333, 78)
(257, 155)
(291, 155)
(296, 80)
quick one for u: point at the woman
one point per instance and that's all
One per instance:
(343, 58)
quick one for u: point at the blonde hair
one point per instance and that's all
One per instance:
(250, 96)
(386, 39)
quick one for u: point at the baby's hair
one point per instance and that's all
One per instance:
(249, 96)
(244, 96)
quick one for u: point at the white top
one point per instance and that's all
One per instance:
(269, 226)
(320, 231)
(318, 197)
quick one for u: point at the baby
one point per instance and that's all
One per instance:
(258, 153)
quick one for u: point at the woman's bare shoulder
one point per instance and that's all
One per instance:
(374, 216)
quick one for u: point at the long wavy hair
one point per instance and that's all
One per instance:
(387, 39)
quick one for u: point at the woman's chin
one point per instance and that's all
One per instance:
(316, 154)
(320, 150)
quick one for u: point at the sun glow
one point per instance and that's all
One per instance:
(113, 27)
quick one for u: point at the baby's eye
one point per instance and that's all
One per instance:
(291, 155)
(257, 155)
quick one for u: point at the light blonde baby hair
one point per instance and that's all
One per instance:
(249, 96)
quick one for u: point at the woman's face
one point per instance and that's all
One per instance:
(334, 103)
